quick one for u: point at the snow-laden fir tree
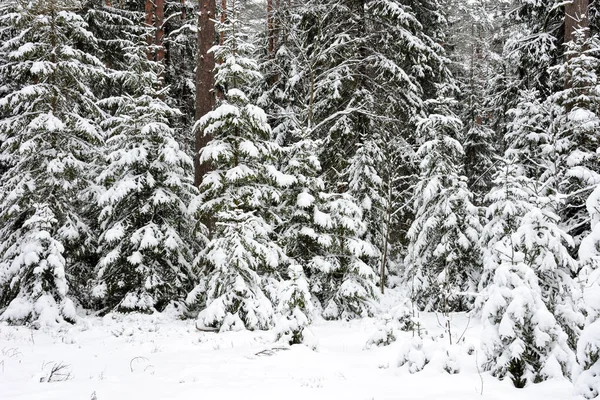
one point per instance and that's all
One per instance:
(532, 43)
(443, 263)
(541, 256)
(49, 134)
(343, 282)
(146, 240)
(527, 131)
(588, 346)
(529, 300)
(521, 338)
(295, 308)
(323, 232)
(238, 195)
(507, 202)
(576, 124)
(299, 232)
(311, 232)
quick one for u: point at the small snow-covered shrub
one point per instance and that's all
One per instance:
(405, 317)
(385, 334)
(295, 307)
(414, 355)
(450, 363)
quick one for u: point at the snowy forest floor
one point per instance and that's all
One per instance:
(158, 357)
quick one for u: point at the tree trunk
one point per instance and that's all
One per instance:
(270, 29)
(160, 31)
(149, 10)
(386, 238)
(205, 64)
(576, 17)
(223, 18)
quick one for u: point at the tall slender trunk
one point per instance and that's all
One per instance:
(205, 64)
(576, 17)
(386, 237)
(270, 29)
(159, 13)
(223, 19)
(149, 11)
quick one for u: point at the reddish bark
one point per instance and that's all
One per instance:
(223, 18)
(576, 17)
(205, 64)
(159, 19)
(149, 10)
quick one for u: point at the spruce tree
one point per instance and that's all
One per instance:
(588, 346)
(49, 135)
(522, 339)
(527, 296)
(443, 263)
(576, 123)
(343, 282)
(239, 195)
(295, 308)
(530, 301)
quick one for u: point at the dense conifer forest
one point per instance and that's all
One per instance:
(261, 165)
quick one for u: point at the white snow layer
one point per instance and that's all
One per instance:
(158, 357)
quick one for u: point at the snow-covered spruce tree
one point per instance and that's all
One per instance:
(576, 124)
(443, 263)
(521, 338)
(588, 346)
(532, 43)
(544, 248)
(531, 316)
(238, 194)
(146, 239)
(301, 230)
(48, 134)
(180, 44)
(508, 201)
(295, 308)
(342, 281)
(528, 130)
(322, 231)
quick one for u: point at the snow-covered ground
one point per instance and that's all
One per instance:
(150, 357)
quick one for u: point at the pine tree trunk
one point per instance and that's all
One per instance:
(576, 17)
(205, 63)
(270, 29)
(160, 32)
(223, 19)
(149, 11)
